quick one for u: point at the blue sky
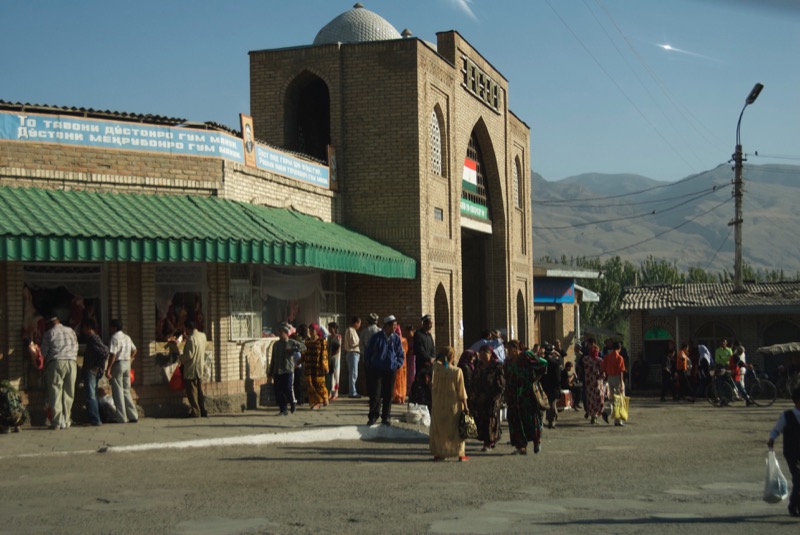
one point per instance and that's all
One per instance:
(588, 76)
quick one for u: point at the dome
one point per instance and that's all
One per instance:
(358, 25)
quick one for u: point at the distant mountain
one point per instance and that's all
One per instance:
(685, 221)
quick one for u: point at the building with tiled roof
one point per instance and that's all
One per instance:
(764, 314)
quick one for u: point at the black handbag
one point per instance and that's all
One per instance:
(466, 426)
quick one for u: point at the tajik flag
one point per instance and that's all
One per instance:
(469, 180)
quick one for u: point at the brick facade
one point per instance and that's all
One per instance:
(381, 99)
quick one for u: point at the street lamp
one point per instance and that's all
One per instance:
(738, 193)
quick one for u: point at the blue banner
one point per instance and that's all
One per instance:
(68, 130)
(283, 164)
(554, 291)
(171, 140)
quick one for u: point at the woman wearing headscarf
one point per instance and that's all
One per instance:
(522, 370)
(399, 394)
(486, 396)
(593, 386)
(315, 367)
(449, 399)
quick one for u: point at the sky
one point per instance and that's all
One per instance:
(608, 86)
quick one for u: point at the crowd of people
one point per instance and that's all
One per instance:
(490, 380)
(687, 372)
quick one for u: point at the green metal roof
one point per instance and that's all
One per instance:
(80, 226)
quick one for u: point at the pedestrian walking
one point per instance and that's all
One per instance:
(788, 424)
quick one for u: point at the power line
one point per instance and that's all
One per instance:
(623, 218)
(638, 78)
(678, 105)
(793, 158)
(662, 233)
(652, 201)
(619, 87)
(724, 241)
(681, 181)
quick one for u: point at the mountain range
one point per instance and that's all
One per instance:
(685, 222)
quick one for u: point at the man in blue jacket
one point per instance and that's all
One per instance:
(383, 357)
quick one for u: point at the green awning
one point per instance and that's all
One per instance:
(79, 226)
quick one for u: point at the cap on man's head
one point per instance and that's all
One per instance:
(426, 317)
(52, 319)
(373, 317)
(389, 319)
(283, 327)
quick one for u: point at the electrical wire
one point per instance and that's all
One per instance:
(688, 146)
(624, 218)
(680, 107)
(724, 241)
(669, 184)
(618, 86)
(652, 201)
(663, 232)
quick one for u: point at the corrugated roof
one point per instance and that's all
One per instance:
(90, 112)
(777, 296)
(56, 225)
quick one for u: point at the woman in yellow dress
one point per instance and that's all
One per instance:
(449, 399)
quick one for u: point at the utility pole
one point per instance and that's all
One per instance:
(738, 194)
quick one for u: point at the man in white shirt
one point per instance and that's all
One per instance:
(122, 351)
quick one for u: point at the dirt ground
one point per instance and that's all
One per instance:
(676, 468)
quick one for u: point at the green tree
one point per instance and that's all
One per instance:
(698, 274)
(653, 271)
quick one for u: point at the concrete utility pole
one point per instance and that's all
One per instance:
(738, 193)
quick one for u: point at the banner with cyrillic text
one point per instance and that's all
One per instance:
(104, 134)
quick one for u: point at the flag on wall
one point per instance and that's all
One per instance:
(469, 180)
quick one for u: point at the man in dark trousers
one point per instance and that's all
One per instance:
(383, 357)
(424, 347)
(789, 424)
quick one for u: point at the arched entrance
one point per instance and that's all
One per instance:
(483, 255)
(441, 317)
(522, 319)
(781, 332)
(307, 111)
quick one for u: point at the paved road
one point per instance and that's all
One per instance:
(677, 468)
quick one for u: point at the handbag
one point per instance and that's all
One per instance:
(620, 409)
(466, 426)
(541, 396)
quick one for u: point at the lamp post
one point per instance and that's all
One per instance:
(738, 193)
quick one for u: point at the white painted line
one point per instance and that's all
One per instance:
(314, 435)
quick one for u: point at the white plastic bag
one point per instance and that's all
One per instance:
(776, 488)
(418, 414)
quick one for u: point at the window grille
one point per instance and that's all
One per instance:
(436, 145)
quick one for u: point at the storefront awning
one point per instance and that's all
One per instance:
(78, 226)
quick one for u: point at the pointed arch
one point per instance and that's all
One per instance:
(517, 183)
(522, 319)
(307, 112)
(486, 190)
(441, 316)
(438, 148)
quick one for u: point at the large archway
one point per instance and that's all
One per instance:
(441, 316)
(307, 111)
(484, 289)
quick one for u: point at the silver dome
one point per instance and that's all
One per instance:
(358, 25)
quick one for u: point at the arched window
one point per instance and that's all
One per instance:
(518, 193)
(436, 145)
(712, 333)
(781, 332)
(307, 127)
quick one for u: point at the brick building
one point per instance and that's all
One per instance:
(389, 176)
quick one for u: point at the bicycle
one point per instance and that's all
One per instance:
(719, 391)
(762, 391)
